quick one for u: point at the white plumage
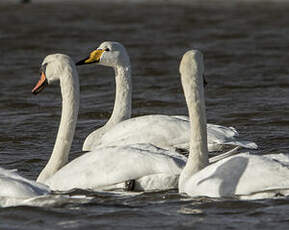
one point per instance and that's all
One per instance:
(168, 132)
(110, 167)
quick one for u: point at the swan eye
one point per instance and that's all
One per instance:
(106, 49)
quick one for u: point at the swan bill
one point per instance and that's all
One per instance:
(83, 61)
(41, 84)
(93, 57)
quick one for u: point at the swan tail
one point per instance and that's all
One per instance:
(244, 144)
(225, 155)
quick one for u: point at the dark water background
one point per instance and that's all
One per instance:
(246, 58)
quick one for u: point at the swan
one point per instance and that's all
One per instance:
(130, 167)
(168, 132)
(244, 175)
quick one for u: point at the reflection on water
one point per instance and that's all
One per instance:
(246, 60)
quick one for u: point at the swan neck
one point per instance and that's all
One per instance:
(70, 105)
(192, 82)
(123, 95)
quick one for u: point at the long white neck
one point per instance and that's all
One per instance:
(70, 104)
(192, 81)
(123, 95)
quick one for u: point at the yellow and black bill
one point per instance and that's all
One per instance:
(93, 57)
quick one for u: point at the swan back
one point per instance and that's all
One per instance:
(245, 175)
(111, 165)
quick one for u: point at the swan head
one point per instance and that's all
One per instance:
(192, 64)
(52, 68)
(110, 54)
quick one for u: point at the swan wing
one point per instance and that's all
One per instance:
(221, 135)
(160, 130)
(168, 132)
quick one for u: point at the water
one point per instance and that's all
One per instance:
(246, 57)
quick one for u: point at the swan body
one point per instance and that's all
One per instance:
(244, 175)
(168, 132)
(14, 186)
(109, 167)
(105, 168)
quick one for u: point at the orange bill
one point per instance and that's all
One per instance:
(40, 84)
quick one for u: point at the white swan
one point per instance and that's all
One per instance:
(169, 132)
(105, 168)
(244, 175)
(109, 167)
